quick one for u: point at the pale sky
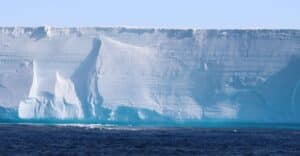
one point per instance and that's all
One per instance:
(153, 13)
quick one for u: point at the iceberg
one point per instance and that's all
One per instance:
(137, 75)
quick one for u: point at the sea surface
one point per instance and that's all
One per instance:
(93, 139)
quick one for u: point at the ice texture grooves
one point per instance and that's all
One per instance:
(135, 75)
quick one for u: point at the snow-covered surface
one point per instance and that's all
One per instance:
(150, 75)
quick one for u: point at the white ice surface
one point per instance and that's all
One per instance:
(149, 74)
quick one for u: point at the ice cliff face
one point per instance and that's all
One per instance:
(149, 75)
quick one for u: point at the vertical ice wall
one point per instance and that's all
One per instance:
(142, 75)
(76, 97)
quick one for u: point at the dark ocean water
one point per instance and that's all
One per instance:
(17, 139)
